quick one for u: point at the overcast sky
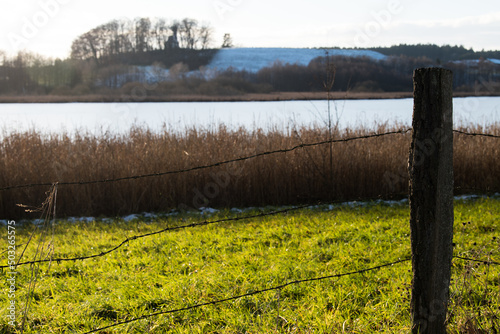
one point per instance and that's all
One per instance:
(49, 26)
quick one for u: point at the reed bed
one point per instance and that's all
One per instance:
(362, 169)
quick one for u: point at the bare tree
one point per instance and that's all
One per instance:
(85, 47)
(205, 36)
(160, 34)
(178, 71)
(189, 36)
(227, 41)
(124, 32)
(3, 58)
(142, 34)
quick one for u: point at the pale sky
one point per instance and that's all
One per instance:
(48, 27)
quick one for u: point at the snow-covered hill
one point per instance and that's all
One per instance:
(253, 59)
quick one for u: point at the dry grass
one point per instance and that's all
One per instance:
(274, 96)
(477, 161)
(370, 168)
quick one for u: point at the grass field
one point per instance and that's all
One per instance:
(195, 265)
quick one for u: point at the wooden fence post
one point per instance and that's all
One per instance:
(431, 198)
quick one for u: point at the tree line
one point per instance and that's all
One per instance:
(112, 60)
(369, 75)
(439, 54)
(103, 43)
(33, 74)
(356, 74)
(111, 49)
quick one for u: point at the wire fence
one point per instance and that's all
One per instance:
(127, 240)
(278, 287)
(217, 164)
(476, 134)
(168, 229)
(221, 163)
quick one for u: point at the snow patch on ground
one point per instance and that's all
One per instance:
(81, 219)
(354, 204)
(473, 62)
(251, 60)
(236, 210)
(474, 197)
(204, 211)
(254, 59)
(494, 61)
(130, 217)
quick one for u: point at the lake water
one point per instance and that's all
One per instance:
(177, 116)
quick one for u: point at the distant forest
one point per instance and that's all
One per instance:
(439, 54)
(362, 74)
(111, 60)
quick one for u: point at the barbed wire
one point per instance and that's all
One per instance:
(476, 134)
(278, 287)
(207, 222)
(196, 224)
(168, 229)
(242, 295)
(220, 163)
(477, 260)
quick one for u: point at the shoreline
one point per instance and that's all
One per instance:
(253, 97)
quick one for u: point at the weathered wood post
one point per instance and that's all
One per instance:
(431, 198)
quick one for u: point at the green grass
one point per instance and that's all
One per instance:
(207, 263)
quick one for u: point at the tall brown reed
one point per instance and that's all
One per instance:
(368, 168)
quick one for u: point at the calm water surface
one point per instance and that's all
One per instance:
(177, 116)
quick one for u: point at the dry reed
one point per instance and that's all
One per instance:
(362, 169)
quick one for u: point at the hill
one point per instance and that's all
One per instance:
(235, 71)
(254, 59)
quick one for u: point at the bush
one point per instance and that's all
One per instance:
(81, 89)
(367, 86)
(136, 91)
(61, 90)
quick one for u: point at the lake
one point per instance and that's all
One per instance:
(98, 118)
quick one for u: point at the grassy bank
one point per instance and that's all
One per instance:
(139, 96)
(274, 96)
(368, 168)
(191, 266)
